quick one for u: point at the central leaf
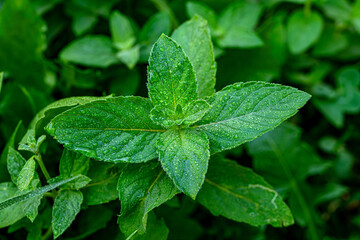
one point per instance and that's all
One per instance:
(184, 155)
(171, 76)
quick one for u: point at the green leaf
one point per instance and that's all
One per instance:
(158, 24)
(15, 162)
(43, 117)
(1, 80)
(237, 22)
(184, 155)
(90, 51)
(197, 8)
(155, 230)
(116, 130)
(22, 41)
(102, 188)
(26, 174)
(122, 33)
(13, 213)
(66, 206)
(142, 188)
(192, 113)
(34, 193)
(238, 193)
(72, 164)
(194, 38)
(243, 111)
(80, 182)
(171, 78)
(129, 56)
(303, 30)
(15, 136)
(285, 162)
(146, 184)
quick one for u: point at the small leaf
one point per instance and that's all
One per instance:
(184, 155)
(303, 30)
(142, 188)
(197, 8)
(26, 174)
(237, 193)
(116, 129)
(66, 206)
(122, 33)
(237, 22)
(34, 193)
(243, 111)
(171, 78)
(192, 113)
(194, 38)
(146, 183)
(129, 56)
(91, 51)
(102, 189)
(15, 162)
(72, 164)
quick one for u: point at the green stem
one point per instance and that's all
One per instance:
(296, 189)
(48, 234)
(42, 167)
(307, 8)
(162, 5)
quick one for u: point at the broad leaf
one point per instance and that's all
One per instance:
(184, 155)
(171, 78)
(142, 188)
(243, 111)
(303, 29)
(122, 33)
(26, 174)
(43, 117)
(240, 194)
(91, 51)
(194, 38)
(66, 206)
(117, 129)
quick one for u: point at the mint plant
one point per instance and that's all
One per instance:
(166, 140)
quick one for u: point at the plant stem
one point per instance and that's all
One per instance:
(162, 5)
(42, 167)
(47, 234)
(307, 8)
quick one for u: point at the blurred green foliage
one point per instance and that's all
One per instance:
(56, 49)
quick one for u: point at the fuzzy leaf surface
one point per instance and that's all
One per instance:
(26, 174)
(195, 39)
(184, 155)
(238, 193)
(171, 77)
(115, 130)
(243, 111)
(66, 206)
(142, 188)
